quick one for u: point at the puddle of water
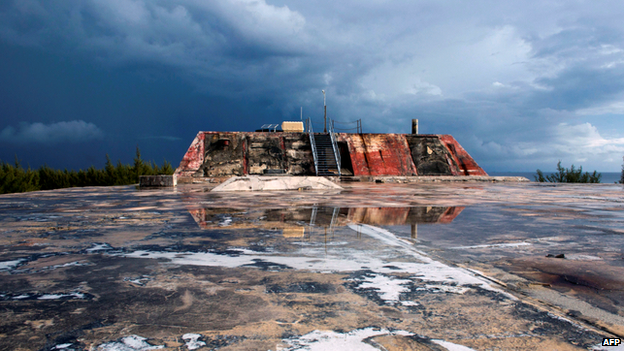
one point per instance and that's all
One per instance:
(296, 222)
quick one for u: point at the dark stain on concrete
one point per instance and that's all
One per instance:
(430, 156)
(300, 287)
(267, 266)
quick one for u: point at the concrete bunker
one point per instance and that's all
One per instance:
(226, 154)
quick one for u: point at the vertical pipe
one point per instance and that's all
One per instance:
(324, 113)
(414, 126)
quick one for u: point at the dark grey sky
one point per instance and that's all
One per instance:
(521, 85)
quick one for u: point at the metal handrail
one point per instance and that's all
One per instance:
(357, 128)
(335, 146)
(269, 127)
(313, 144)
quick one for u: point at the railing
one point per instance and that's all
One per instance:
(348, 127)
(313, 144)
(269, 127)
(335, 146)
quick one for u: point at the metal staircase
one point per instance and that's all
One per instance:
(325, 152)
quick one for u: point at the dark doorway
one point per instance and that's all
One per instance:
(345, 159)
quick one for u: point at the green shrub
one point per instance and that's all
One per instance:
(622, 174)
(571, 175)
(15, 179)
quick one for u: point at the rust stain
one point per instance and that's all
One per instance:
(194, 157)
(379, 154)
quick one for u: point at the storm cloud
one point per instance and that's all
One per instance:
(520, 85)
(39, 133)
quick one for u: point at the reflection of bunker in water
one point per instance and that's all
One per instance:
(296, 222)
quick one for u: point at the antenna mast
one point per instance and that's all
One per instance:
(325, 112)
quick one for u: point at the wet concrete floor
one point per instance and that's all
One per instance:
(372, 267)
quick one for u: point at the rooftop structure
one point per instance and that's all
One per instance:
(295, 152)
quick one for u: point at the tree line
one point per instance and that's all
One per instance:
(569, 175)
(15, 179)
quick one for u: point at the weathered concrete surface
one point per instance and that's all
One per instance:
(157, 181)
(102, 268)
(267, 183)
(467, 165)
(222, 154)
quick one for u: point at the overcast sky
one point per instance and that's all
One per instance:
(520, 84)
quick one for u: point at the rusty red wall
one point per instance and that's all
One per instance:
(379, 154)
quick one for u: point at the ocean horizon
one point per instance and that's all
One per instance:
(607, 177)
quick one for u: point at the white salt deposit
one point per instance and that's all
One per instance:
(129, 343)
(352, 341)
(388, 288)
(75, 295)
(99, 247)
(226, 222)
(579, 257)
(600, 347)
(489, 246)
(450, 346)
(192, 341)
(346, 259)
(10, 264)
(443, 288)
(331, 341)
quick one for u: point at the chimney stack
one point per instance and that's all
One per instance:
(414, 126)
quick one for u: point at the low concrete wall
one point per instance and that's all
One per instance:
(157, 181)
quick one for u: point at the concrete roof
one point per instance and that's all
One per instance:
(422, 266)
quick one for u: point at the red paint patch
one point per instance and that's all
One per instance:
(379, 154)
(194, 157)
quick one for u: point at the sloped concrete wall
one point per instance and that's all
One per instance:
(379, 154)
(223, 154)
(466, 164)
